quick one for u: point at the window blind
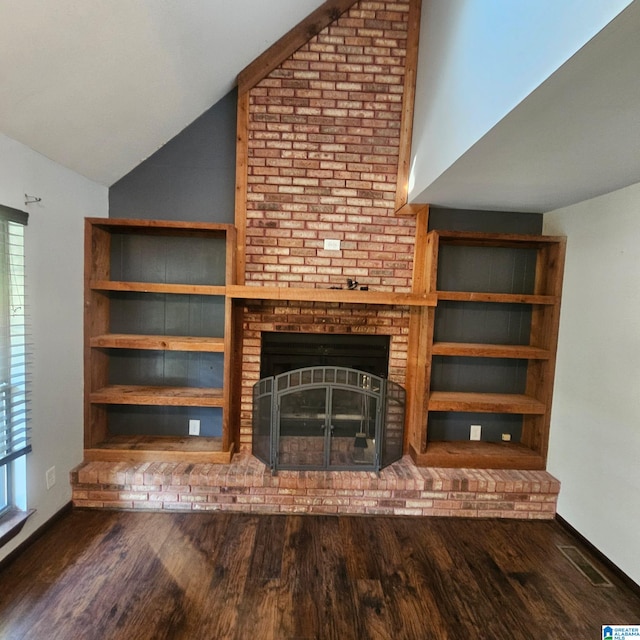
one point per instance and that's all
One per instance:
(14, 427)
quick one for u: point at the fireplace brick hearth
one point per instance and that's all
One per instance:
(247, 486)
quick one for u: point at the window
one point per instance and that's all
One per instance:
(14, 429)
(4, 488)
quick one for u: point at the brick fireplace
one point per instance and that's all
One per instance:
(319, 158)
(322, 163)
(316, 318)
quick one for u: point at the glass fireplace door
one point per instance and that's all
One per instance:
(352, 432)
(303, 427)
(326, 427)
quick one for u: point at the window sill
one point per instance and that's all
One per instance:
(11, 524)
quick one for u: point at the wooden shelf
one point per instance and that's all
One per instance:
(485, 403)
(478, 455)
(160, 227)
(158, 396)
(157, 287)
(505, 240)
(162, 343)
(506, 298)
(293, 294)
(189, 449)
(479, 350)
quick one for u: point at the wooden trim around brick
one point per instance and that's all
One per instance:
(277, 53)
(242, 151)
(408, 100)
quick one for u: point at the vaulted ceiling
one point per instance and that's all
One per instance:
(99, 85)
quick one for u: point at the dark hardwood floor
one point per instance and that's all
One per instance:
(101, 575)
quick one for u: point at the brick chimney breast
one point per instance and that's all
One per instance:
(323, 145)
(324, 132)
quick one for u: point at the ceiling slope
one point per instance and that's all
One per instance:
(575, 137)
(99, 86)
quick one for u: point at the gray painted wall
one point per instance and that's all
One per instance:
(488, 221)
(191, 178)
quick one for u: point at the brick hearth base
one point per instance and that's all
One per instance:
(246, 485)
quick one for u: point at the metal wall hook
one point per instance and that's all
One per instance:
(31, 199)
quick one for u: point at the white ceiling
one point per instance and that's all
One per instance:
(575, 137)
(99, 85)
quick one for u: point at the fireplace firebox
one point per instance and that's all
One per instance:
(285, 351)
(328, 417)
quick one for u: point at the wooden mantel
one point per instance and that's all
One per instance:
(293, 294)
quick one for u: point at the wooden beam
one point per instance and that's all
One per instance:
(229, 362)
(242, 155)
(420, 339)
(277, 53)
(421, 264)
(408, 100)
(234, 405)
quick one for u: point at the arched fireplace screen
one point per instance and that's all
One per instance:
(328, 418)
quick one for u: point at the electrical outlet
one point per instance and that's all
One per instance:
(194, 427)
(50, 477)
(331, 244)
(506, 437)
(475, 432)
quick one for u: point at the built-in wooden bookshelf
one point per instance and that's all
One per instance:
(533, 404)
(158, 330)
(159, 294)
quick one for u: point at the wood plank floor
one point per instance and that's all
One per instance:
(111, 575)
